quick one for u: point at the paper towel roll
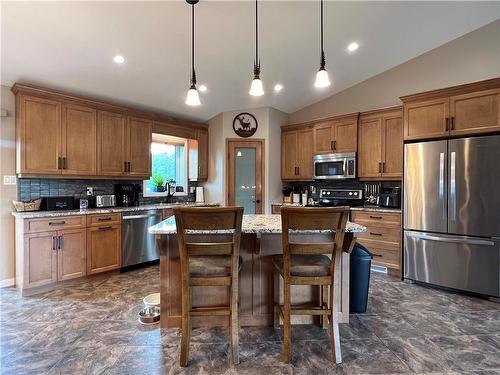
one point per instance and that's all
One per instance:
(200, 196)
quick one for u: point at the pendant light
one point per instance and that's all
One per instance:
(192, 97)
(322, 79)
(256, 88)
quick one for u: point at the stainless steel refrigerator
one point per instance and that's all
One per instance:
(452, 213)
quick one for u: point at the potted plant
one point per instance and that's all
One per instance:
(158, 183)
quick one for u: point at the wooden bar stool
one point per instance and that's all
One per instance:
(209, 264)
(306, 264)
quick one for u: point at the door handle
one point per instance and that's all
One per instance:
(59, 242)
(57, 222)
(379, 167)
(129, 166)
(130, 217)
(463, 240)
(64, 163)
(54, 242)
(59, 162)
(105, 228)
(104, 219)
(447, 124)
(452, 123)
(298, 171)
(453, 186)
(375, 234)
(125, 166)
(383, 167)
(441, 185)
(375, 217)
(332, 146)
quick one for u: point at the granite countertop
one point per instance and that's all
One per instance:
(364, 208)
(251, 224)
(107, 210)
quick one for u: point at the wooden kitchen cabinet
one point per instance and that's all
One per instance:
(71, 254)
(202, 135)
(305, 154)
(455, 111)
(296, 154)
(40, 258)
(380, 149)
(103, 248)
(138, 154)
(38, 134)
(336, 136)
(324, 134)
(111, 144)
(289, 155)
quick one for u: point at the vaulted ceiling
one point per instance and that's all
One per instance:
(71, 45)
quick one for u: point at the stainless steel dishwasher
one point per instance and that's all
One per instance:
(138, 246)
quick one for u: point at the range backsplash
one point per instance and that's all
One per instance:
(33, 188)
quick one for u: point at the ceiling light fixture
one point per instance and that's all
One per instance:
(256, 88)
(119, 59)
(278, 87)
(352, 47)
(192, 97)
(322, 79)
(202, 88)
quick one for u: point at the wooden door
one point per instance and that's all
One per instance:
(139, 133)
(245, 170)
(475, 113)
(202, 154)
(305, 154)
(72, 254)
(426, 119)
(370, 147)
(324, 134)
(111, 144)
(40, 136)
(392, 145)
(289, 155)
(79, 140)
(103, 248)
(346, 136)
(40, 259)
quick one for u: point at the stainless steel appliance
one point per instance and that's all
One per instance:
(340, 197)
(334, 166)
(105, 200)
(127, 195)
(452, 214)
(138, 246)
(389, 197)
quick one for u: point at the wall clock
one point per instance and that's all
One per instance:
(245, 124)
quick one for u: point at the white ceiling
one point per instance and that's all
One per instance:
(70, 46)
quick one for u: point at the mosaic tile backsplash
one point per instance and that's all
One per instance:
(33, 188)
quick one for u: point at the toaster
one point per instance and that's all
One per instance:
(105, 200)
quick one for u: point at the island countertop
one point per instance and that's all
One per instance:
(251, 224)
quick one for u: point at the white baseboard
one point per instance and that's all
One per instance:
(7, 282)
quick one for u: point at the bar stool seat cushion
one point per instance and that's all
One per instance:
(305, 265)
(211, 266)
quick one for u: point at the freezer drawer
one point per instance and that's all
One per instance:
(459, 262)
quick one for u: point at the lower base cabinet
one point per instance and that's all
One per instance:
(103, 248)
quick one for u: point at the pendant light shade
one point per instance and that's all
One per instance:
(322, 79)
(192, 97)
(256, 88)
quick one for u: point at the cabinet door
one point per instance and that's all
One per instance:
(40, 135)
(323, 138)
(305, 153)
(370, 147)
(79, 140)
(289, 155)
(71, 254)
(103, 248)
(202, 154)
(111, 144)
(139, 132)
(346, 136)
(426, 119)
(193, 161)
(40, 259)
(474, 113)
(392, 142)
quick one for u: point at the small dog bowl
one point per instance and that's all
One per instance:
(149, 315)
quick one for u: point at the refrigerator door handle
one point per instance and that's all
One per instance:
(441, 186)
(462, 240)
(453, 186)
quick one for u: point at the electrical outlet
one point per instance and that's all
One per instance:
(90, 191)
(9, 180)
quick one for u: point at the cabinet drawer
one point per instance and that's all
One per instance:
(55, 223)
(384, 254)
(388, 233)
(97, 220)
(376, 217)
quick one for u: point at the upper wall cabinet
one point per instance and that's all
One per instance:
(380, 144)
(297, 153)
(336, 135)
(61, 134)
(198, 156)
(461, 110)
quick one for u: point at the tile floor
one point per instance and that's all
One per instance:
(91, 328)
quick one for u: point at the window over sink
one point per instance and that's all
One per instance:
(169, 162)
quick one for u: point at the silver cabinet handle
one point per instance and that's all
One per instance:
(453, 186)
(441, 185)
(136, 217)
(463, 240)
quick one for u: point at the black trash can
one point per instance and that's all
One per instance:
(361, 260)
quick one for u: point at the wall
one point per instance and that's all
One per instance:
(221, 128)
(7, 192)
(472, 57)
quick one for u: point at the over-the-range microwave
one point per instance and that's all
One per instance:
(334, 166)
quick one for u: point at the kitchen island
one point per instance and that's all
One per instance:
(260, 238)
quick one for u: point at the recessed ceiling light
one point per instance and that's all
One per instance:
(352, 47)
(119, 59)
(278, 87)
(202, 88)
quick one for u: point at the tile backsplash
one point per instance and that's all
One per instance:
(33, 188)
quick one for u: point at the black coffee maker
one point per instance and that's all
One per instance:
(389, 197)
(127, 195)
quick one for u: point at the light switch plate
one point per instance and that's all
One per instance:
(9, 180)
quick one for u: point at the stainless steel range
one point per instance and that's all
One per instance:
(340, 197)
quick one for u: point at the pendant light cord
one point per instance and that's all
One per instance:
(256, 64)
(193, 73)
(322, 50)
